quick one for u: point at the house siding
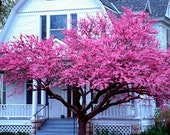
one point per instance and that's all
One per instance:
(25, 24)
(13, 97)
(27, 18)
(162, 35)
(46, 5)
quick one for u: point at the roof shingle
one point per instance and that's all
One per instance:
(158, 7)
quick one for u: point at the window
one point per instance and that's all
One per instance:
(168, 11)
(2, 90)
(168, 38)
(43, 27)
(29, 85)
(74, 20)
(53, 25)
(57, 24)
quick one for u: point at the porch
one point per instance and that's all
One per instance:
(128, 111)
(19, 117)
(123, 111)
(126, 118)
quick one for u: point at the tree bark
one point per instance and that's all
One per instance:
(82, 127)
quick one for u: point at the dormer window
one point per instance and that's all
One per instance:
(168, 11)
(53, 25)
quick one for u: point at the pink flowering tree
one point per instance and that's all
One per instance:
(105, 57)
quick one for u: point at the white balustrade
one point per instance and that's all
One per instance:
(15, 110)
(127, 111)
(18, 110)
(119, 111)
(147, 111)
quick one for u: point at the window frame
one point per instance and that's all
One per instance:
(68, 20)
(2, 90)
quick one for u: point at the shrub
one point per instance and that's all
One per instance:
(162, 123)
(7, 133)
(155, 130)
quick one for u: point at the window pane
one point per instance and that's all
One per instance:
(74, 20)
(29, 91)
(58, 21)
(168, 38)
(1, 88)
(4, 86)
(4, 97)
(43, 27)
(57, 34)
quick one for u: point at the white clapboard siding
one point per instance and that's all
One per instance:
(47, 5)
(162, 35)
(26, 24)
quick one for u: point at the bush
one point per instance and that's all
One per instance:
(162, 123)
(103, 132)
(155, 130)
(22, 133)
(7, 133)
(162, 117)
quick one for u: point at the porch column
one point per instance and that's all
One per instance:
(43, 102)
(34, 107)
(137, 105)
(34, 98)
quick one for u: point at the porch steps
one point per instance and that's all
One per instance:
(63, 126)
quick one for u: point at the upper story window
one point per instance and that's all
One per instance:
(168, 11)
(43, 27)
(53, 25)
(168, 39)
(57, 24)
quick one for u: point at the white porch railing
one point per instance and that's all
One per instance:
(119, 111)
(147, 111)
(16, 110)
(127, 111)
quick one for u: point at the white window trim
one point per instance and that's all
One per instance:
(48, 22)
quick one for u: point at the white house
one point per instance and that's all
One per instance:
(40, 17)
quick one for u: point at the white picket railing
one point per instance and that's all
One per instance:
(15, 110)
(147, 111)
(128, 111)
(119, 111)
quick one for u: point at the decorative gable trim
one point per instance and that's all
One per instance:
(11, 18)
(77, 9)
(148, 7)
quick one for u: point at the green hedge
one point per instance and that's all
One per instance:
(162, 123)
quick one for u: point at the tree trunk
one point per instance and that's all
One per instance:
(82, 127)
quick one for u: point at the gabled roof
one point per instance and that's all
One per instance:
(20, 4)
(136, 5)
(107, 3)
(110, 6)
(157, 8)
(11, 18)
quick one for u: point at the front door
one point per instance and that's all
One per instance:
(56, 108)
